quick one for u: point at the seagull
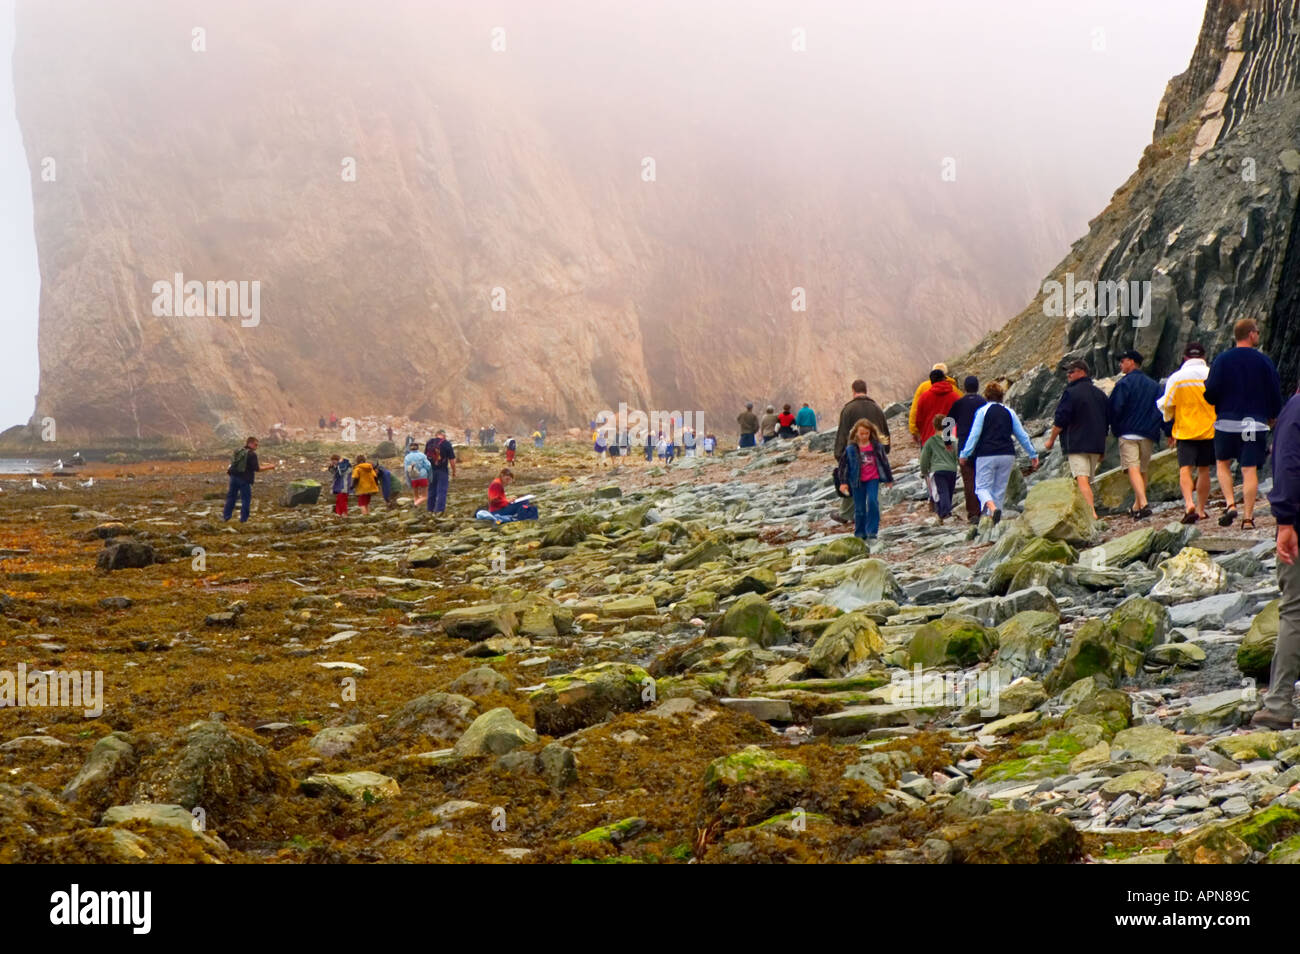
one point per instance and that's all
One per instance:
(62, 485)
(37, 485)
(58, 464)
(86, 483)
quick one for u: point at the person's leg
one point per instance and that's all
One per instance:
(1249, 490)
(232, 494)
(1085, 488)
(1001, 477)
(1224, 468)
(245, 500)
(1186, 485)
(1280, 700)
(438, 490)
(1130, 453)
(1202, 490)
(947, 481)
(984, 481)
(860, 510)
(968, 489)
(873, 509)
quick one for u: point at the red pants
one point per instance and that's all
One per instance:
(510, 457)
(341, 504)
(363, 500)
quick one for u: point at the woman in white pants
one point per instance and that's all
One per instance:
(992, 443)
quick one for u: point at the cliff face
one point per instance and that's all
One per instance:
(1209, 220)
(376, 294)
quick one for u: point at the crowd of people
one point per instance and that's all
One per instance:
(773, 424)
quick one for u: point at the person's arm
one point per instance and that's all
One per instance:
(1116, 405)
(1214, 382)
(1060, 420)
(973, 438)
(1285, 497)
(1018, 430)
(911, 411)
(926, 455)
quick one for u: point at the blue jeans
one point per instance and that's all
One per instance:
(241, 490)
(438, 483)
(746, 440)
(866, 509)
(524, 510)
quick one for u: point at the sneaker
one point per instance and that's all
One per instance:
(1267, 720)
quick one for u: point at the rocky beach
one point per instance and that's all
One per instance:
(681, 664)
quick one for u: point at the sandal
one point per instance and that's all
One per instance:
(1248, 523)
(1191, 517)
(1228, 518)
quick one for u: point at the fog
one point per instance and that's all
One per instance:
(1042, 106)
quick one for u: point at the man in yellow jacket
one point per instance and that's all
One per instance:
(1183, 402)
(912, 424)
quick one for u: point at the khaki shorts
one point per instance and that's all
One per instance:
(1135, 454)
(1084, 465)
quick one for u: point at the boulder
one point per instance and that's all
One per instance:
(495, 732)
(1146, 743)
(867, 581)
(1116, 645)
(111, 760)
(1025, 641)
(848, 641)
(1255, 654)
(1014, 838)
(951, 641)
(355, 786)
(301, 493)
(751, 618)
(841, 550)
(589, 695)
(1056, 510)
(1113, 493)
(125, 555)
(337, 740)
(1189, 575)
(1036, 550)
(480, 622)
(427, 554)
(1119, 552)
(479, 681)
(435, 716)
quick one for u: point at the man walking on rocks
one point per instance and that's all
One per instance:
(858, 407)
(1279, 710)
(914, 420)
(1135, 421)
(748, 422)
(442, 467)
(1183, 402)
(1244, 388)
(1082, 416)
(244, 466)
(963, 414)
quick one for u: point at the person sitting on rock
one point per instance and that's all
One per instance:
(500, 505)
(365, 482)
(993, 433)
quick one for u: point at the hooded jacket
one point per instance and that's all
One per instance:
(938, 399)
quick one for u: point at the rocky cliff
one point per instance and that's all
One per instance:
(229, 164)
(1209, 220)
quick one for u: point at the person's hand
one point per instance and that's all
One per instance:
(1286, 544)
(963, 460)
(844, 488)
(1033, 465)
(1048, 445)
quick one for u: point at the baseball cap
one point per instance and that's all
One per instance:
(1133, 355)
(1194, 349)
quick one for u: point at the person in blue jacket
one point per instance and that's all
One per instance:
(1279, 710)
(806, 419)
(866, 468)
(1135, 420)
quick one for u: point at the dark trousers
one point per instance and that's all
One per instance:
(241, 490)
(524, 510)
(968, 486)
(746, 440)
(438, 482)
(945, 482)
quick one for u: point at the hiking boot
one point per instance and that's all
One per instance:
(839, 517)
(1266, 720)
(1143, 513)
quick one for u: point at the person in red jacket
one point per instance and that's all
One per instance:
(938, 399)
(500, 505)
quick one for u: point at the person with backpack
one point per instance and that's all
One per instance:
(243, 468)
(365, 483)
(501, 506)
(418, 472)
(785, 427)
(442, 467)
(1135, 422)
(962, 414)
(994, 432)
(806, 419)
(340, 470)
(939, 466)
(384, 477)
(510, 450)
(858, 407)
(866, 467)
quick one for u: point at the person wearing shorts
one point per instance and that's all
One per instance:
(1246, 392)
(1183, 403)
(1082, 421)
(1135, 422)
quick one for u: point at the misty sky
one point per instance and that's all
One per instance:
(1029, 71)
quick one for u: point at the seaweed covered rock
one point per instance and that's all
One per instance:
(746, 786)
(1189, 575)
(951, 641)
(589, 695)
(1115, 645)
(435, 717)
(1014, 838)
(753, 619)
(848, 641)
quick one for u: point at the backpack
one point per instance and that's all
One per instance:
(238, 462)
(840, 474)
(434, 454)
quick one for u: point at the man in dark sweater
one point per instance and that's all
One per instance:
(1135, 421)
(858, 407)
(962, 413)
(1244, 389)
(1082, 422)
(1279, 704)
(242, 470)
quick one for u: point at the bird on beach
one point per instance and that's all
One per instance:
(86, 483)
(62, 485)
(58, 464)
(37, 485)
